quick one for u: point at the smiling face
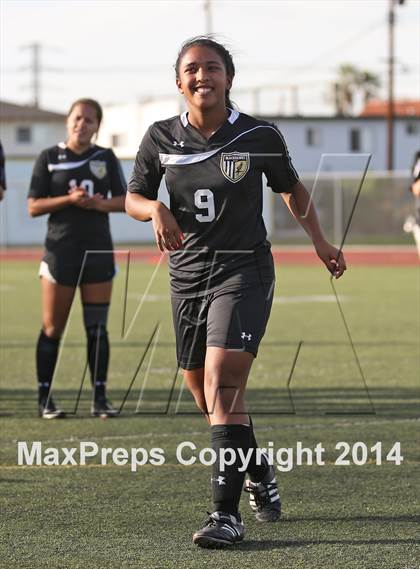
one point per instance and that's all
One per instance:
(202, 78)
(82, 124)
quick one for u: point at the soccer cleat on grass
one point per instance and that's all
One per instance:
(221, 530)
(101, 407)
(48, 410)
(264, 498)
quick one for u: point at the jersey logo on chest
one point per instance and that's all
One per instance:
(98, 168)
(234, 165)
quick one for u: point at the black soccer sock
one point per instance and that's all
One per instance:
(98, 358)
(256, 471)
(227, 484)
(46, 358)
(95, 317)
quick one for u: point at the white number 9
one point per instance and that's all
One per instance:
(204, 199)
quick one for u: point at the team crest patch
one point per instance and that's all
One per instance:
(234, 165)
(98, 168)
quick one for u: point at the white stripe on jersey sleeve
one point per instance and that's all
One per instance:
(289, 160)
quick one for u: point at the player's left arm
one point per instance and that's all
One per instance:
(415, 188)
(303, 210)
(118, 189)
(282, 178)
(105, 205)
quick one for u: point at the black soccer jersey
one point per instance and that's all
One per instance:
(2, 169)
(56, 171)
(416, 167)
(215, 189)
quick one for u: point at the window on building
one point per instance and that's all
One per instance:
(24, 134)
(412, 128)
(118, 140)
(313, 136)
(355, 140)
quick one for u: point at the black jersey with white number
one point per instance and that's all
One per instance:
(215, 189)
(56, 171)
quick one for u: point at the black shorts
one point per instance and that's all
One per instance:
(74, 270)
(229, 318)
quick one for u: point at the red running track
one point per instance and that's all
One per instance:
(378, 255)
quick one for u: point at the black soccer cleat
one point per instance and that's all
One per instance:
(103, 408)
(264, 498)
(48, 410)
(221, 530)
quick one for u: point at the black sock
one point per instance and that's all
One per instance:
(227, 484)
(257, 472)
(46, 358)
(98, 358)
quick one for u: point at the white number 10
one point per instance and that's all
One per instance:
(204, 199)
(86, 184)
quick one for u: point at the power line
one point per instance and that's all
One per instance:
(341, 45)
(207, 13)
(391, 63)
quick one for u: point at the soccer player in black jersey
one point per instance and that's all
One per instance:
(412, 223)
(2, 173)
(221, 266)
(77, 183)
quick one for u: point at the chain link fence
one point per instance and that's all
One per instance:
(382, 206)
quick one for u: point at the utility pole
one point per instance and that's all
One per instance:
(256, 93)
(391, 62)
(35, 68)
(294, 100)
(390, 108)
(207, 12)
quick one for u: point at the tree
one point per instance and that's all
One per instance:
(352, 82)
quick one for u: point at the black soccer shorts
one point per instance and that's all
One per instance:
(229, 318)
(73, 270)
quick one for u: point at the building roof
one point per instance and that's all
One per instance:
(332, 118)
(11, 112)
(402, 108)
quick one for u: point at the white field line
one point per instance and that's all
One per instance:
(141, 436)
(349, 248)
(276, 300)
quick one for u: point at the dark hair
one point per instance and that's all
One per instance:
(208, 41)
(92, 103)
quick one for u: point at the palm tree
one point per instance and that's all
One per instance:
(369, 83)
(350, 82)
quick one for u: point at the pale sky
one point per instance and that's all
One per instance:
(122, 51)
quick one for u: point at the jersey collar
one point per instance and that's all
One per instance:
(231, 118)
(63, 146)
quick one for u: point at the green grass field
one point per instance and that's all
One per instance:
(94, 516)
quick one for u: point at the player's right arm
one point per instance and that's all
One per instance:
(41, 206)
(141, 201)
(167, 232)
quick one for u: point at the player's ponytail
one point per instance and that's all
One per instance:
(220, 49)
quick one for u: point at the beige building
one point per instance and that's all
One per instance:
(124, 125)
(25, 130)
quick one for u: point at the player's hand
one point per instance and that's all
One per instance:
(1, 193)
(332, 258)
(94, 202)
(168, 234)
(78, 196)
